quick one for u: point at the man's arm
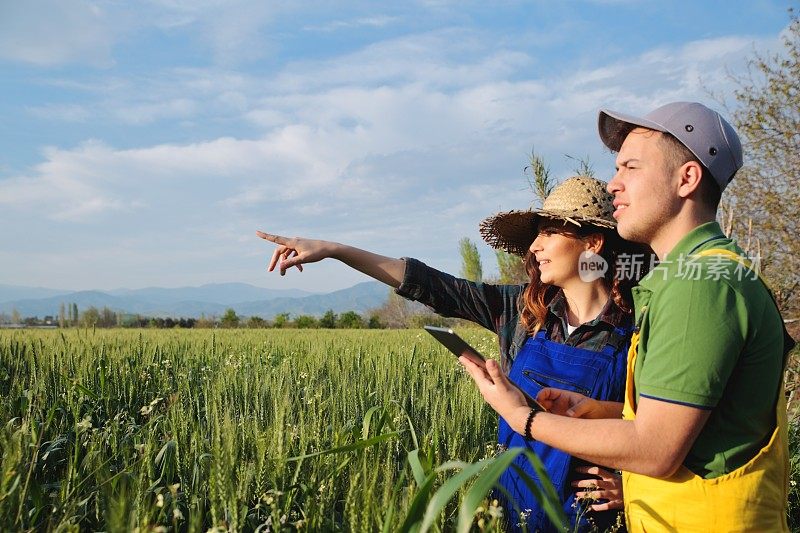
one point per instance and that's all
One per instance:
(577, 405)
(654, 444)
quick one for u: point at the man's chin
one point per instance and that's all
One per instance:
(629, 233)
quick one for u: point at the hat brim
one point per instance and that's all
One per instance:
(514, 231)
(614, 127)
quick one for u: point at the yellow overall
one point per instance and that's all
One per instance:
(751, 498)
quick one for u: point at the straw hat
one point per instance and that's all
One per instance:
(578, 200)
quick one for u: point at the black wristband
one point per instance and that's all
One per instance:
(531, 414)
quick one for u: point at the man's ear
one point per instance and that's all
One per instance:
(689, 174)
(594, 242)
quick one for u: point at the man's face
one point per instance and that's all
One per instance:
(642, 187)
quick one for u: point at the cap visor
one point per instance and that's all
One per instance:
(612, 127)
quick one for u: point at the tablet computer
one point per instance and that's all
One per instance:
(456, 344)
(460, 347)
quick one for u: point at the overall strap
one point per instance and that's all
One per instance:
(618, 339)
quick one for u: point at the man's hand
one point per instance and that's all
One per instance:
(568, 403)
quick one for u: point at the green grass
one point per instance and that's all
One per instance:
(282, 430)
(191, 430)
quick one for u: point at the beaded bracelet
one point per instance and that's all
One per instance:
(531, 414)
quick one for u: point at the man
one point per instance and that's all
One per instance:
(702, 445)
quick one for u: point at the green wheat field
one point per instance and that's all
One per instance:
(244, 430)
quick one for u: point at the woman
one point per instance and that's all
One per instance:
(569, 327)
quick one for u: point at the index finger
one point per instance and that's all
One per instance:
(548, 393)
(277, 239)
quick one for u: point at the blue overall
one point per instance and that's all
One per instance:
(543, 363)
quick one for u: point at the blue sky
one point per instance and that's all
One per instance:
(143, 143)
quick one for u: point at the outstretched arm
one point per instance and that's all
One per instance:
(296, 251)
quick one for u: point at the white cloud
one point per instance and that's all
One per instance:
(144, 113)
(234, 30)
(319, 141)
(337, 25)
(403, 146)
(65, 112)
(443, 58)
(53, 32)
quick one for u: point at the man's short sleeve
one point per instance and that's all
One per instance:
(695, 332)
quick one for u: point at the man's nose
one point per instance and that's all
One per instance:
(614, 184)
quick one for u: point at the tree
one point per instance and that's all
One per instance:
(351, 320)
(62, 315)
(90, 317)
(256, 322)
(305, 322)
(761, 206)
(328, 320)
(583, 166)
(204, 322)
(281, 320)
(511, 268)
(539, 179)
(230, 319)
(15, 316)
(429, 319)
(108, 318)
(395, 312)
(471, 267)
(74, 314)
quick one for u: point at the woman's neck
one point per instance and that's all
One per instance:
(585, 301)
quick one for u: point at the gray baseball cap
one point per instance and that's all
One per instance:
(700, 129)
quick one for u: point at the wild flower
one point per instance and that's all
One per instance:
(495, 509)
(523, 517)
(84, 424)
(147, 409)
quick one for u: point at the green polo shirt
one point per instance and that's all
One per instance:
(711, 337)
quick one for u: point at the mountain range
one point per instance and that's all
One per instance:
(208, 300)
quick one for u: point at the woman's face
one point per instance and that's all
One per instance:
(557, 253)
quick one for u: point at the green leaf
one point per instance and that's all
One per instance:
(441, 498)
(358, 445)
(547, 498)
(483, 484)
(418, 505)
(368, 420)
(419, 471)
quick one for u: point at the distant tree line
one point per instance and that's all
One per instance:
(395, 313)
